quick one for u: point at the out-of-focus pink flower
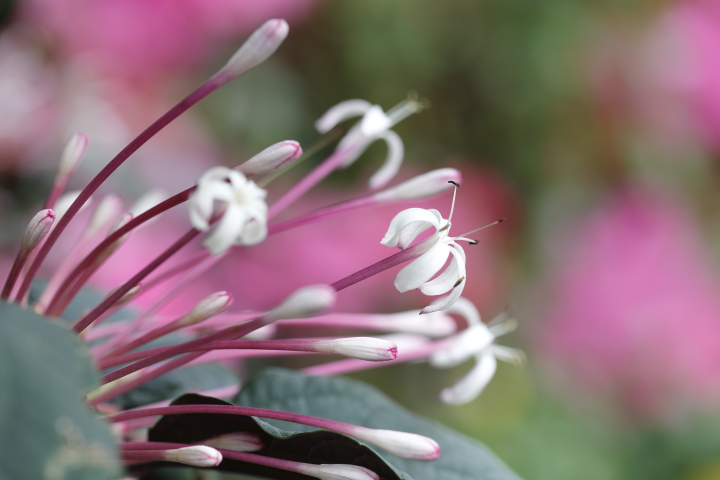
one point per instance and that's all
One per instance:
(313, 253)
(636, 313)
(27, 106)
(144, 37)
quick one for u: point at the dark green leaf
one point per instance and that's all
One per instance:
(45, 430)
(319, 446)
(350, 401)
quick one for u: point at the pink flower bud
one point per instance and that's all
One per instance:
(36, 230)
(362, 348)
(337, 471)
(256, 49)
(304, 302)
(272, 158)
(210, 306)
(72, 155)
(196, 456)
(402, 444)
(425, 185)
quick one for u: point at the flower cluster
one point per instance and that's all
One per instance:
(230, 209)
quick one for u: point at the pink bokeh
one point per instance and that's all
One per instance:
(636, 312)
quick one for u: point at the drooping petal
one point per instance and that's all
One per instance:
(341, 112)
(466, 309)
(396, 152)
(468, 343)
(444, 282)
(422, 268)
(471, 385)
(446, 302)
(227, 231)
(417, 219)
(374, 122)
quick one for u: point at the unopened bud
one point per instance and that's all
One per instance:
(237, 442)
(107, 210)
(338, 471)
(402, 444)
(258, 47)
(147, 201)
(210, 306)
(36, 230)
(272, 158)
(64, 202)
(196, 456)
(362, 348)
(72, 155)
(425, 185)
(304, 302)
(468, 343)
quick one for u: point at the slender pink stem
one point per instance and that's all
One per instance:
(143, 339)
(118, 294)
(176, 270)
(215, 82)
(402, 256)
(254, 458)
(310, 180)
(167, 352)
(323, 423)
(322, 214)
(15, 270)
(113, 237)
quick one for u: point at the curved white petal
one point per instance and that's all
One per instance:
(393, 161)
(444, 282)
(469, 342)
(466, 309)
(420, 219)
(422, 268)
(341, 112)
(471, 385)
(254, 232)
(374, 122)
(227, 230)
(447, 301)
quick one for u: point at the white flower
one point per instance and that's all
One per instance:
(244, 221)
(403, 230)
(374, 125)
(475, 342)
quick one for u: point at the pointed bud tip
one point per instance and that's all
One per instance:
(210, 306)
(73, 154)
(272, 159)
(37, 229)
(304, 302)
(424, 185)
(403, 444)
(257, 48)
(196, 456)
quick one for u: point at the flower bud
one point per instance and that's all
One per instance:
(210, 306)
(237, 442)
(72, 155)
(107, 210)
(468, 343)
(337, 471)
(362, 348)
(425, 185)
(36, 230)
(258, 47)
(272, 158)
(402, 444)
(304, 302)
(196, 456)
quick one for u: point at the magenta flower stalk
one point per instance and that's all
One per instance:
(323, 471)
(402, 444)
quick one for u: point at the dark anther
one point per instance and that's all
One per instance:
(454, 183)
(460, 280)
(474, 242)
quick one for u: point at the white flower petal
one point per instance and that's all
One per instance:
(341, 112)
(444, 282)
(227, 230)
(447, 301)
(393, 161)
(466, 309)
(422, 268)
(420, 219)
(469, 342)
(471, 385)
(374, 122)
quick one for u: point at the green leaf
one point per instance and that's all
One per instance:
(45, 430)
(350, 401)
(318, 446)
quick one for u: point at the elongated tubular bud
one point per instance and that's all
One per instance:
(362, 348)
(257, 48)
(403, 444)
(260, 45)
(208, 307)
(237, 442)
(425, 185)
(196, 456)
(69, 161)
(304, 302)
(35, 232)
(323, 472)
(272, 159)
(107, 211)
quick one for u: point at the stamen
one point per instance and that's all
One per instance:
(452, 206)
(478, 229)
(407, 107)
